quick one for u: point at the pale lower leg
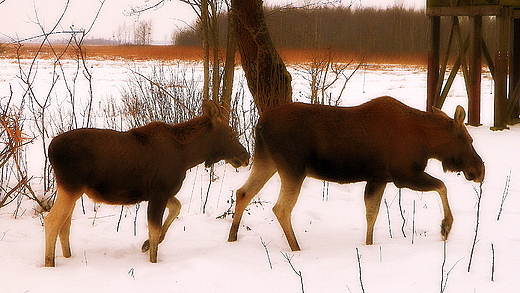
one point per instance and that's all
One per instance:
(289, 193)
(373, 195)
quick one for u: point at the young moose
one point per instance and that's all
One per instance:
(379, 142)
(147, 163)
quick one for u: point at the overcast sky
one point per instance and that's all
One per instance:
(18, 17)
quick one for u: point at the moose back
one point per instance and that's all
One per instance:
(147, 163)
(379, 142)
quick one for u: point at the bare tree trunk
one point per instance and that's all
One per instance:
(204, 17)
(266, 74)
(214, 31)
(229, 69)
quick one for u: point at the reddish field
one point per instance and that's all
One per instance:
(195, 53)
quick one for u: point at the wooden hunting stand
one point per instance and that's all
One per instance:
(504, 68)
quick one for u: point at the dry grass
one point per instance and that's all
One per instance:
(166, 53)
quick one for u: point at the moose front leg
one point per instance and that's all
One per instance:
(448, 216)
(174, 208)
(155, 214)
(425, 182)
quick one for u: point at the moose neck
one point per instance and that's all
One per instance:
(437, 130)
(195, 136)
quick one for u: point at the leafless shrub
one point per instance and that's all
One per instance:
(169, 93)
(76, 110)
(323, 72)
(13, 167)
(172, 93)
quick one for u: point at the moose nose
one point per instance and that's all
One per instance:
(476, 175)
(240, 161)
(244, 158)
(481, 174)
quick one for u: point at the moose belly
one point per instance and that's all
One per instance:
(347, 170)
(115, 196)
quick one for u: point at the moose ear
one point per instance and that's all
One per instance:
(460, 115)
(211, 109)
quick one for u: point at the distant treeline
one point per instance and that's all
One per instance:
(392, 30)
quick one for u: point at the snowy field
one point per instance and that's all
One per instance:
(195, 256)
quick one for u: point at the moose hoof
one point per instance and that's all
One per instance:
(146, 246)
(232, 238)
(445, 229)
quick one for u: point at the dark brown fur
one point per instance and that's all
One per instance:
(143, 164)
(380, 141)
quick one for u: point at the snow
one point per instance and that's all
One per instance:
(195, 256)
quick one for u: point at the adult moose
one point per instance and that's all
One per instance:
(147, 163)
(379, 142)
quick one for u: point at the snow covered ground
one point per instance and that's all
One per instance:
(195, 256)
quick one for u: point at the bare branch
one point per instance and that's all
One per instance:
(137, 10)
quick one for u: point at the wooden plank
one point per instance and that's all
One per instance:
(464, 3)
(501, 68)
(433, 62)
(513, 109)
(440, 99)
(487, 57)
(475, 71)
(464, 10)
(451, 78)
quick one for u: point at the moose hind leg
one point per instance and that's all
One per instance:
(65, 236)
(373, 195)
(57, 220)
(174, 208)
(289, 193)
(263, 170)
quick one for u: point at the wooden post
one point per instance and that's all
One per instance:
(501, 67)
(475, 71)
(433, 62)
(514, 79)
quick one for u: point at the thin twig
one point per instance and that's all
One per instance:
(388, 216)
(505, 193)
(137, 206)
(360, 272)
(325, 190)
(443, 264)
(298, 273)
(402, 213)
(478, 192)
(444, 277)
(413, 222)
(267, 252)
(120, 217)
(492, 262)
